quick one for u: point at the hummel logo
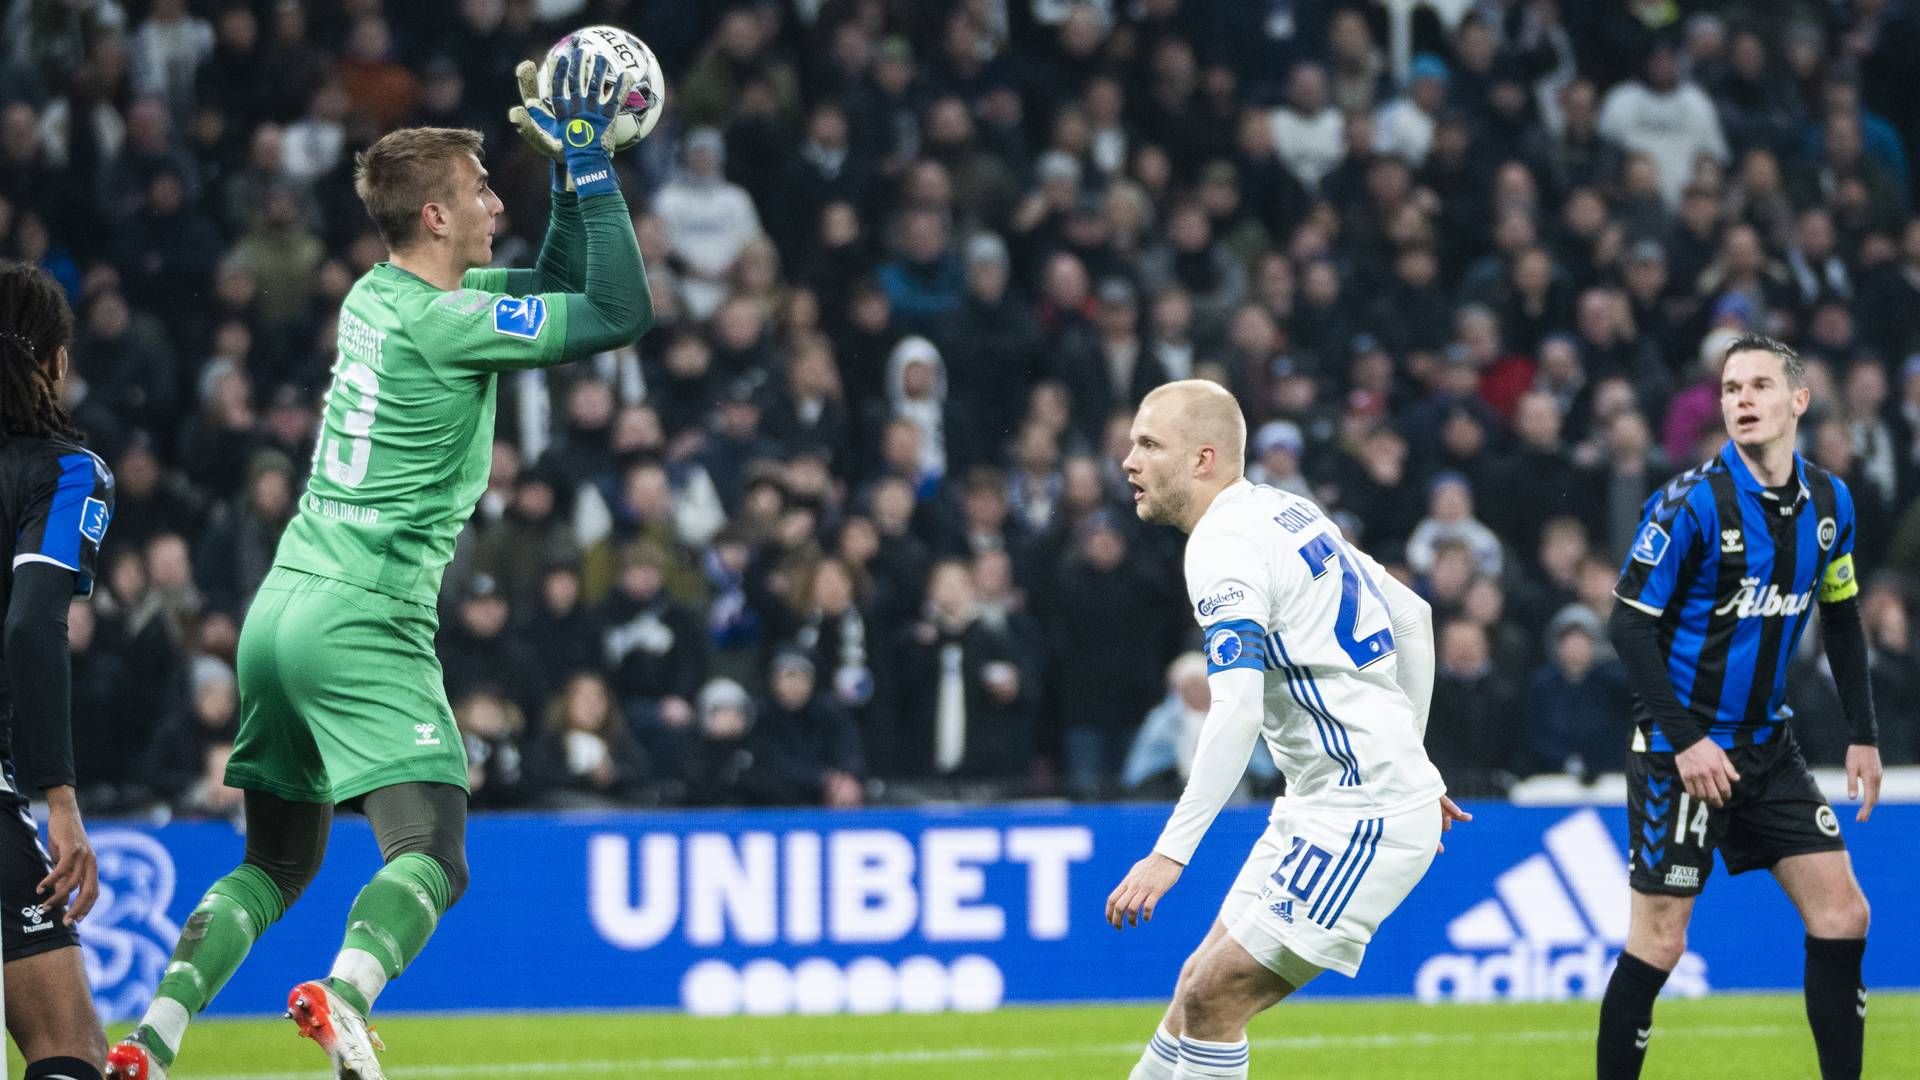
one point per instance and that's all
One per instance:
(1552, 930)
(1641, 1036)
(1730, 541)
(427, 737)
(1861, 1008)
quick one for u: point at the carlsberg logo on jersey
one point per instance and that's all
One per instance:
(1211, 604)
(1753, 602)
(1552, 930)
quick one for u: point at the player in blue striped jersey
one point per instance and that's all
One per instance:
(1720, 583)
(56, 499)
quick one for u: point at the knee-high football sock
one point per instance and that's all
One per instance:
(1626, 1017)
(233, 914)
(1837, 1004)
(1158, 1060)
(389, 924)
(1203, 1060)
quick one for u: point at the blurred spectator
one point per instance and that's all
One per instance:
(1476, 735)
(480, 651)
(1404, 126)
(170, 578)
(1161, 758)
(962, 710)
(813, 411)
(991, 343)
(491, 728)
(128, 364)
(1450, 517)
(233, 556)
(1894, 651)
(807, 746)
(1632, 469)
(1277, 448)
(583, 754)
(189, 752)
(715, 764)
(945, 440)
(170, 44)
(377, 83)
(111, 714)
(1191, 258)
(568, 635)
(1540, 480)
(1555, 580)
(1307, 129)
(1666, 117)
(1102, 682)
(281, 254)
(150, 498)
(1830, 446)
(1577, 705)
(708, 221)
(533, 532)
(652, 647)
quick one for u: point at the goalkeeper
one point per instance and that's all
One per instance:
(341, 695)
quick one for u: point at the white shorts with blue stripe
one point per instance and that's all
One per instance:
(1318, 884)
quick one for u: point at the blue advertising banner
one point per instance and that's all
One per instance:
(951, 909)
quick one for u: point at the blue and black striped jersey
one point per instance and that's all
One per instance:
(1731, 571)
(56, 499)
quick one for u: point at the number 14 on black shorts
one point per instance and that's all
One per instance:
(1776, 810)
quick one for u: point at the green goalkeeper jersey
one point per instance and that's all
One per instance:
(405, 441)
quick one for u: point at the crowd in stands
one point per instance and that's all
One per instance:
(848, 525)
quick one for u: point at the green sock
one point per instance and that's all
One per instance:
(389, 924)
(235, 911)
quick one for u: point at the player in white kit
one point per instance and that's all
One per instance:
(1313, 646)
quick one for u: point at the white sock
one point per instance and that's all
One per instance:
(167, 1019)
(1160, 1058)
(362, 971)
(1203, 1060)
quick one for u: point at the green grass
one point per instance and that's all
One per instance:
(1723, 1038)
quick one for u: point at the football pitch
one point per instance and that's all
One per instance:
(1735, 1037)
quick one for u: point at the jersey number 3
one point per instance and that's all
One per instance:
(1319, 552)
(347, 465)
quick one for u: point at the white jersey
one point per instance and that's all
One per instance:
(1301, 652)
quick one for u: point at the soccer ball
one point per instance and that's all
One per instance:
(624, 53)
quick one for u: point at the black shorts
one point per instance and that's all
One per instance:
(1776, 811)
(27, 928)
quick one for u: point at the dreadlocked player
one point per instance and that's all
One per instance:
(55, 501)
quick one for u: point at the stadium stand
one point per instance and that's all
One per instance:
(914, 264)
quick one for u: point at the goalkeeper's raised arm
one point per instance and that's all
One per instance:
(589, 277)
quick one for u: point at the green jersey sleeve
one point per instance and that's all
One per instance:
(485, 327)
(480, 327)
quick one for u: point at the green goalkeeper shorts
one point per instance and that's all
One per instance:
(340, 694)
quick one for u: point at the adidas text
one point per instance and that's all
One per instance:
(1553, 929)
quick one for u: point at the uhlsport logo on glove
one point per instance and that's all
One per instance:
(579, 133)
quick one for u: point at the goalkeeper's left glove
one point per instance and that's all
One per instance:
(521, 116)
(578, 133)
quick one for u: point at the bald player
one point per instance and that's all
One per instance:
(1315, 648)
